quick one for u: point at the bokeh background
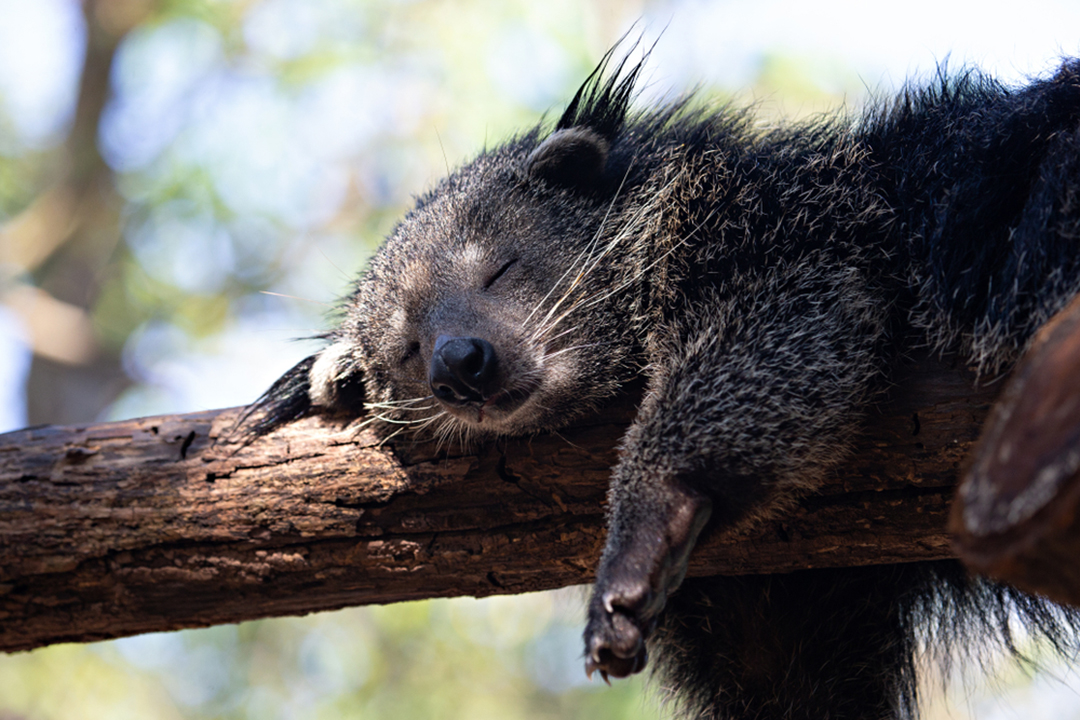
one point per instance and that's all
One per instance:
(186, 186)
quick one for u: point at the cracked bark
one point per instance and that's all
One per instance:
(163, 523)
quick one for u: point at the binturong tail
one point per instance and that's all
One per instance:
(837, 644)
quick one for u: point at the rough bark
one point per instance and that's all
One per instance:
(162, 523)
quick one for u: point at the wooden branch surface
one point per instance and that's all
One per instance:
(159, 523)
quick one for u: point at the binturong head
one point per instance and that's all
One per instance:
(501, 303)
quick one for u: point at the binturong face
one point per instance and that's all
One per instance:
(508, 301)
(468, 320)
(496, 307)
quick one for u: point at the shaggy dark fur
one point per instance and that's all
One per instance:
(764, 283)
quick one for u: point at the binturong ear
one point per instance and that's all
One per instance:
(327, 382)
(572, 158)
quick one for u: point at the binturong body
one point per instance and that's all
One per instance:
(763, 284)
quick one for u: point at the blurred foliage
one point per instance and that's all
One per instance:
(459, 659)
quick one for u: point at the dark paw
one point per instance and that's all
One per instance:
(615, 636)
(644, 561)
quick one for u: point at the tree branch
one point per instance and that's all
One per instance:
(163, 523)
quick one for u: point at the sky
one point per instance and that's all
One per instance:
(885, 43)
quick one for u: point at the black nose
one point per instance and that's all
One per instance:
(461, 368)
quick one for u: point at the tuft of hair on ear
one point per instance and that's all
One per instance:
(602, 102)
(575, 155)
(288, 399)
(572, 158)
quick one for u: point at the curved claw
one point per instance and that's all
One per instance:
(612, 666)
(592, 666)
(615, 647)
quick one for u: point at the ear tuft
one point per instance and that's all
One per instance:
(573, 158)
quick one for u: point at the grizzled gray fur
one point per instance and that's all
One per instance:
(764, 284)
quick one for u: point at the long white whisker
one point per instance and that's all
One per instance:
(392, 421)
(556, 353)
(384, 406)
(583, 303)
(394, 403)
(628, 230)
(442, 434)
(584, 255)
(583, 273)
(564, 333)
(390, 437)
(425, 422)
(364, 424)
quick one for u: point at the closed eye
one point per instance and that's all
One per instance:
(410, 352)
(501, 271)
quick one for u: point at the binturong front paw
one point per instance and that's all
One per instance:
(616, 632)
(646, 557)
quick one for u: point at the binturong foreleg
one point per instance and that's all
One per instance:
(750, 401)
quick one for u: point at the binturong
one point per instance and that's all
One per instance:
(763, 284)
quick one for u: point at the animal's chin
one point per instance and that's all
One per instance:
(507, 412)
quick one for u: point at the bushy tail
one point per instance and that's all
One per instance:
(837, 643)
